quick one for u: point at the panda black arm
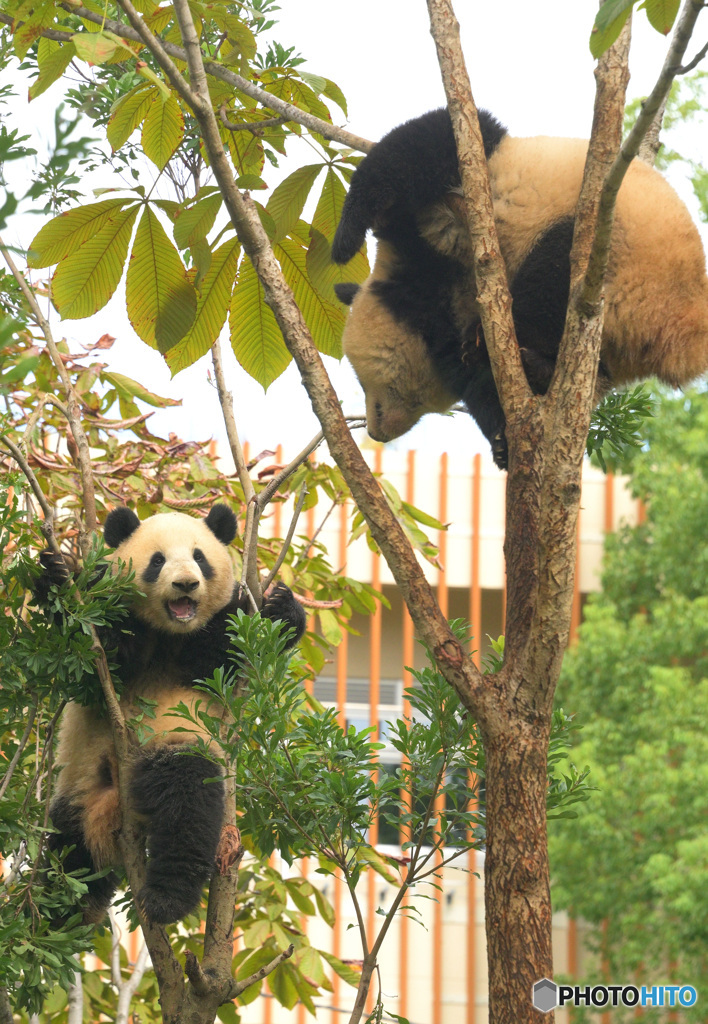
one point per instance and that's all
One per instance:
(399, 171)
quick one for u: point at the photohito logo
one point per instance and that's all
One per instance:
(546, 995)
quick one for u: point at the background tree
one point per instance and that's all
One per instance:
(634, 862)
(546, 434)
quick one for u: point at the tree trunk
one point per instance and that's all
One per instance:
(517, 895)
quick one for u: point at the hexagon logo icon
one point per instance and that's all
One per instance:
(545, 995)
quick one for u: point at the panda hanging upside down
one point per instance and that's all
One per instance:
(414, 335)
(173, 636)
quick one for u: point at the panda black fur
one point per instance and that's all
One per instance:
(174, 635)
(414, 336)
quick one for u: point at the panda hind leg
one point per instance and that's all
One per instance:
(184, 816)
(67, 818)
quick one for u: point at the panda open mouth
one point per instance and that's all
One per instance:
(183, 609)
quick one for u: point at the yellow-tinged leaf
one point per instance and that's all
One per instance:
(212, 307)
(161, 300)
(128, 112)
(84, 281)
(324, 319)
(95, 48)
(197, 221)
(246, 151)
(662, 14)
(63, 235)
(288, 198)
(601, 39)
(324, 274)
(163, 130)
(30, 19)
(255, 335)
(150, 76)
(328, 211)
(345, 972)
(53, 59)
(129, 388)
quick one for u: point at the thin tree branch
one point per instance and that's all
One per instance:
(254, 127)
(7, 778)
(287, 111)
(240, 986)
(695, 62)
(129, 988)
(46, 524)
(288, 539)
(73, 409)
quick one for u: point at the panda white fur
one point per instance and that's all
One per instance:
(414, 336)
(174, 635)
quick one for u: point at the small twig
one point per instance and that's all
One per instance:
(255, 127)
(268, 492)
(240, 986)
(288, 539)
(18, 753)
(692, 64)
(45, 525)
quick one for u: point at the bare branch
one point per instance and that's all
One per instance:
(7, 778)
(73, 415)
(651, 142)
(288, 539)
(695, 62)
(285, 110)
(254, 127)
(128, 988)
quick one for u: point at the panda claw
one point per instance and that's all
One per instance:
(500, 451)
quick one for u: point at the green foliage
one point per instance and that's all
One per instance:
(616, 425)
(634, 859)
(613, 14)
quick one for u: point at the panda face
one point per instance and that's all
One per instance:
(391, 361)
(181, 566)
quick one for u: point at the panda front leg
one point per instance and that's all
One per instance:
(184, 818)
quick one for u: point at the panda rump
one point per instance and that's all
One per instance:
(414, 335)
(173, 636)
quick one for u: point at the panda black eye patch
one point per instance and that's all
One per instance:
(151, 573)
(204, 564)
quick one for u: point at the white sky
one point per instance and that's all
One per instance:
(529, 64)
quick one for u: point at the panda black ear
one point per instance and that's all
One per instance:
(222, 523)
(119, 525)
(345, 292)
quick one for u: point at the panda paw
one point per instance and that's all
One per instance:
(54, 574)
(280, 605)
(162, 905)
(500, 450)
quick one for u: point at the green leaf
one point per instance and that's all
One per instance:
(602, 38)
(255, 335)
(197, 221)
(288, 199)
(283, 987)
(53, 59)
(333, 92)
(324, 319)
(160, 299)
(345, 972)
(128, 112)
(63, 235)
(662, 14)
(246, 151)
(84, 282)
(368, 855)
(328, 212)
(325, 908)
(163, 130)
(316, 82)
(150, 76)
(423, 517)
(212, 307)
(324, 274)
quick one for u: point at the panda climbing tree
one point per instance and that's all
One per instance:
(536, 413)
